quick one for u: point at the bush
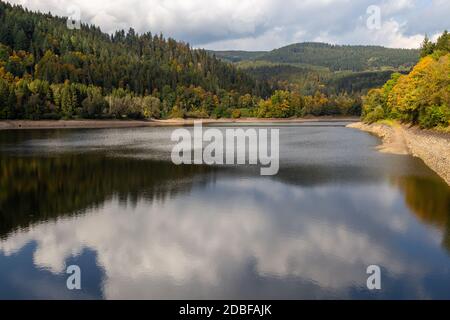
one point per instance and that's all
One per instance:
(220, 112)
(435, 116)
(236, 114)
(376, 115)
(176, 113)
(246, 113)
(51, 116)
(197, 114)
(150, 107)
(93, 106)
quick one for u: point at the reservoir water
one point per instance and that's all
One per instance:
(138, 226)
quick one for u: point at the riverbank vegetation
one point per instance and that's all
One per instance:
(421, 97)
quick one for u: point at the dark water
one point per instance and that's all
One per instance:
(111, 202)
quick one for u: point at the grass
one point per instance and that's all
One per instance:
(443, 129)
(389, 122)
(395, 123)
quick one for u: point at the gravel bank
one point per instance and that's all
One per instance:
(430, 146)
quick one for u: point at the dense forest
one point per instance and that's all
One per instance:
(421, 97)
(310, 80)
(308, 68)
(332, 57)
(339, 58)
(49, 71)
(304, 73)
(234, 56)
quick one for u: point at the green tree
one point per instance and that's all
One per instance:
(427, 47)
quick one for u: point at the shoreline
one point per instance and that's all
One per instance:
(430, 146)
(106, 124)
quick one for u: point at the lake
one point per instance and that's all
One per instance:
(140, 227)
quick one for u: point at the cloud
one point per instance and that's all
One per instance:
(389, 34)
(202, 243)
(263, 24)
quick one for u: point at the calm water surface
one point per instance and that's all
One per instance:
(138, 226)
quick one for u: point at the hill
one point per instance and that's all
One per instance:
(309, 67)
(234, 56)
(49, 70)
(332, 57)
(339, 58)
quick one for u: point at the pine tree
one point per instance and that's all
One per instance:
(427, 47)
(20, 40)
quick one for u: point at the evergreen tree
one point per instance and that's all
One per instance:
(427, 47)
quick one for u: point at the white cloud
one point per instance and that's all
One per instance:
(390, 34)
(263, 24)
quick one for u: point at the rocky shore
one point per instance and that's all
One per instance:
(430, 146)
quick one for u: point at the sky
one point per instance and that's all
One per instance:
(264, 24)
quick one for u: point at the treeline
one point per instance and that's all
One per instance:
(423, 96)
(286, 104)
(38, 99)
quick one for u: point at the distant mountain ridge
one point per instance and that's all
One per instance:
(312, 66)
(334, 57)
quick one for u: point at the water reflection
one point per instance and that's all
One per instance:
(429, 200)
(148, 229)
(35, 189)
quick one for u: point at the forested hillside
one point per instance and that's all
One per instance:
(421, 97)
(338, 58)
(49, 71)
(332, 57)
(332, 69)
(309, 80)
(237, 55)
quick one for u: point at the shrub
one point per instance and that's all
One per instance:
(150, 106)
(435, 116)
(374, 100)
(197, 114)
(236, 113)
(376, 115)
(93, 106)
(246, 113)
(51, 116)
(176, 112)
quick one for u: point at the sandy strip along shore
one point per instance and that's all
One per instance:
(72, 124)
(430, 146)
